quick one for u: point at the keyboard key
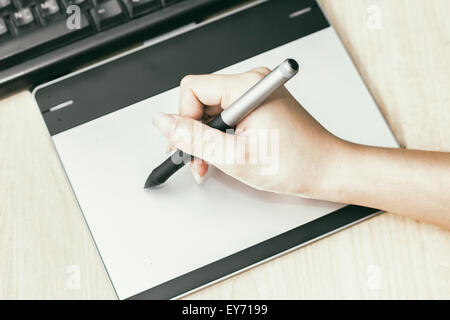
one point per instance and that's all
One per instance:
(24, 3)
(83, 4)
(5, 5)
(23, 19)
(107, 15)
(3, 28)
(48, 9)
(41, 40)
(136, 8)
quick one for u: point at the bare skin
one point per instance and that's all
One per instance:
(313, 162)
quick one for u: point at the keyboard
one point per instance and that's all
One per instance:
(44, 39)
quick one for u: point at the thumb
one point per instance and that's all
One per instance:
(193, 137)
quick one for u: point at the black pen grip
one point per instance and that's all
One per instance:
(219, 124)
(216, 123)
(178, 159)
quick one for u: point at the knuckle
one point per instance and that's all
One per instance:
(263, 70)
(186, 80)
(254, 77)
(180, 131)
(257, 74)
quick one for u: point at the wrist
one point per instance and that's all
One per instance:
(335, 177)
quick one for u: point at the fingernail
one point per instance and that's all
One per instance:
(164, 122)
(156, 118)
(238, 131)
(196, 176)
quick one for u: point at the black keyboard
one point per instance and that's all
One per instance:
(43, 39)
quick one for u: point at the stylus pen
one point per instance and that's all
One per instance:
(230, 117)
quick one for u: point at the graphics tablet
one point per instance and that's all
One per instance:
(165, 243)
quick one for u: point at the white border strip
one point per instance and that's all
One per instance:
(299, 13)
(61, 105)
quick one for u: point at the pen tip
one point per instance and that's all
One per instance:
(150, 183)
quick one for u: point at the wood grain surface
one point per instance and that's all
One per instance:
(402, 50)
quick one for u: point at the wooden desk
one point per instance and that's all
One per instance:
(406, 64)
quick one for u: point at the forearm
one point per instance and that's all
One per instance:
(411, 183)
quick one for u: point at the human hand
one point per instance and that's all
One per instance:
(278, 147)
(300, 157)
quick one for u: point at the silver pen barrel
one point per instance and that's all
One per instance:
(259, 92)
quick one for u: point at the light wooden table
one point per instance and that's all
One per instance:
(404, 59)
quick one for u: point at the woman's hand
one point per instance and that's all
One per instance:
(293, 154)
(279, 147)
